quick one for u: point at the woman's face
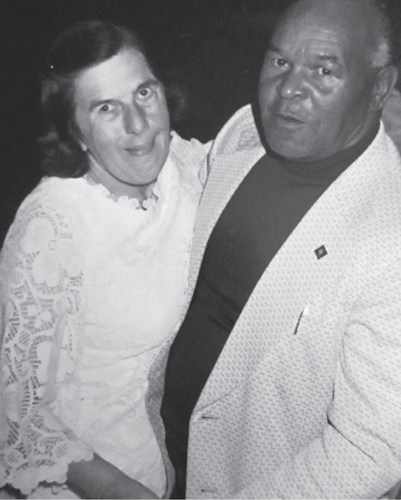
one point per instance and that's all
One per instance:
(123, 121)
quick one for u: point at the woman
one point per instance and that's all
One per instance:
(93, 273)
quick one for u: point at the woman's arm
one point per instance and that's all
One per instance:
(41, 278)
(100, 479)
(40, 287)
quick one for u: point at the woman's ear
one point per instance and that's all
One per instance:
(385, 80)
(76, 134)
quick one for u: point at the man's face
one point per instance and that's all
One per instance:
(317, 82)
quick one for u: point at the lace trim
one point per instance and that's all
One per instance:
(124, 200)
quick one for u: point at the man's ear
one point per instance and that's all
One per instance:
(385, 80)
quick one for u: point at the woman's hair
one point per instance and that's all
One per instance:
(83, 46)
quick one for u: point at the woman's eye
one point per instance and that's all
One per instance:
(108, 111)
(146, 92)
(105, 108)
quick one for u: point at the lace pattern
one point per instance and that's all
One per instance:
(40, 278)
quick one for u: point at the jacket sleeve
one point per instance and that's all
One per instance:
(40, 283)
(359, 453)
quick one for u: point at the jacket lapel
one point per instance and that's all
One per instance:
(309, 261)
(221, 185)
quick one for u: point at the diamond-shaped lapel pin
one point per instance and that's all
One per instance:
(321, 252)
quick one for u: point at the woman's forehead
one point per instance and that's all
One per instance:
(126, 70)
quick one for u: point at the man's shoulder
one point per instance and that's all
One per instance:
(373, 187)
(391, 117)
(238, 134)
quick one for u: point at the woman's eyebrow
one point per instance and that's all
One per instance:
(147, 83)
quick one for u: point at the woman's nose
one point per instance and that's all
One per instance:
(135, 120)
(292, 85)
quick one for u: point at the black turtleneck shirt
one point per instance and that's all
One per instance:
(262, 213)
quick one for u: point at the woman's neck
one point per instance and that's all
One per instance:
(118, 188)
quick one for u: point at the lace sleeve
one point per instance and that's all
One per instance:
(40, 282)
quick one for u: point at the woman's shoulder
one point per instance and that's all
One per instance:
(56, 194)
(53, 189)
(44, 227)
(54, 201)
(189, 149)
(190, 156)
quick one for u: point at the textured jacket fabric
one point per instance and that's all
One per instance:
(305, 398)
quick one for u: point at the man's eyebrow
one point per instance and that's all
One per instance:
(330, 58)
(272, 47)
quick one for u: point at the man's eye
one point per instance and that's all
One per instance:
(280, 62)
(324, 71)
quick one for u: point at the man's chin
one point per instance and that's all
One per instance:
(291, 152)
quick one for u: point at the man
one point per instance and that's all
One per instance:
(284, 379)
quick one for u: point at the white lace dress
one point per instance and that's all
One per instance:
(90, 289)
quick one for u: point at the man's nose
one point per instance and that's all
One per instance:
(135, 119)
(292, 85)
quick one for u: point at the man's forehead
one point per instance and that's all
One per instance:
(322, 25)
(311, 41)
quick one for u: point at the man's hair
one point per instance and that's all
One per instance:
(387, 33)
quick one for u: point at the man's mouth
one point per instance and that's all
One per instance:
(289, 122)
(285, 117)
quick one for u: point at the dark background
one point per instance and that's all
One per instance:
(214, 48)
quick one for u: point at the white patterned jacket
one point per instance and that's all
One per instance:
(305, 398)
